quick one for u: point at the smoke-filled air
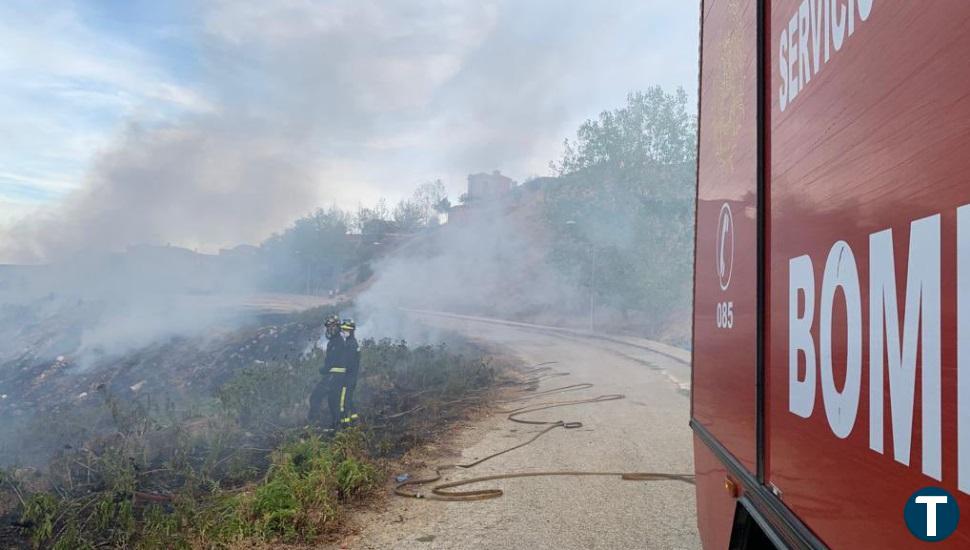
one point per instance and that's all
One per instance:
(191, 191)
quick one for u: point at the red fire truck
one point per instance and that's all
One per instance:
(832, 279)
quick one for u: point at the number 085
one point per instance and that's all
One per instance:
(725, 315)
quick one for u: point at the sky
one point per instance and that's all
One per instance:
(212, 123)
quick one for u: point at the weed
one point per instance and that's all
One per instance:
(260, 394)
(38, 516)
(307, 482)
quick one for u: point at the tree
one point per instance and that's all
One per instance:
(312, 253)
(622, 208)
(431, 197)
(654, 127)
(443, 206)
(374, 223)
(409, 216)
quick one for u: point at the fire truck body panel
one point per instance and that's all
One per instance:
(724, 350)
(860, 297)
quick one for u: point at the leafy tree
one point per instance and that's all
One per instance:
(443, 206)
(621, 211)
(422, 209)
(311, 254)
(654, 128)
(409, 216)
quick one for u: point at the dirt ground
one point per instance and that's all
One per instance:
(646, 431)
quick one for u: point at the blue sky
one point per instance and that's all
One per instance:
(73, 74)
(216, 122)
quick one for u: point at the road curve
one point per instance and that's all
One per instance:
(647, 431)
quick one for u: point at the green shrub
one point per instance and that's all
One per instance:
(307, 482)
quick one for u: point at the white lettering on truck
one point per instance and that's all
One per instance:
(922, 303)
(841, 273)
(801, 281)
(823, 24)
(896, 337)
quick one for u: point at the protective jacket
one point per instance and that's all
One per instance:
(352, 360)
(334, 362)
(352, 357)
(333, 385)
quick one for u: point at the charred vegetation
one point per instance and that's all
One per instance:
(217, 452)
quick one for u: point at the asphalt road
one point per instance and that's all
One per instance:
(647, 431)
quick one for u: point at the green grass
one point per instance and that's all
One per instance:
(308, 481)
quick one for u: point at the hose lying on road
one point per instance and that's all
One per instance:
(540, 368)
(441, 492)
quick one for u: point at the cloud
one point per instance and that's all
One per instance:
(195, 185)
(292, 104)
(66, 89)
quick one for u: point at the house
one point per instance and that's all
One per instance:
(484, 186)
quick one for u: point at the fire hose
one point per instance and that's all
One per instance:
(443, 492)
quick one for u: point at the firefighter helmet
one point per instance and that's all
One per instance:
(331, 326)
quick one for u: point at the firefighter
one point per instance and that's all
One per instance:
(334, 371)
(352, 360)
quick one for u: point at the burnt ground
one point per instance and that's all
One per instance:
(249, 382)
(46, 381)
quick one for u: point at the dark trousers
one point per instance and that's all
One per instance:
(351, 387)
(338, 390)
(319, 393)
(337, 400)
(334, 388)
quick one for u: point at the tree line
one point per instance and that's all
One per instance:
(619, 209)
(314, 254)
